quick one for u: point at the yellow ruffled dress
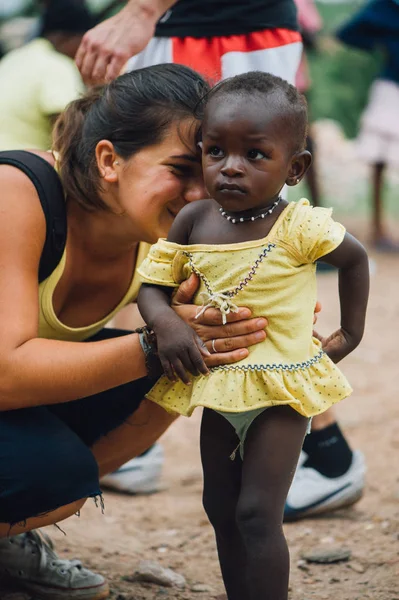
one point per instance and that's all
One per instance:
(275, 277)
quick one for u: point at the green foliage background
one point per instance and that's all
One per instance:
(341, 76)
(341, 79)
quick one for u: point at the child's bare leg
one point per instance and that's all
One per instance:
(271, 452)
(222, 483)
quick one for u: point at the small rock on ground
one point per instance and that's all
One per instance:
(327, 555)
(201, 587)
(152, 572)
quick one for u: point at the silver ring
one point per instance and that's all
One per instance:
(213, 347)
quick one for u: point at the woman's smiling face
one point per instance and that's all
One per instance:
(155, 184)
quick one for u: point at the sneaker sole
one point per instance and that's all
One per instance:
(325, 507)
(52, 593)
(147, 488)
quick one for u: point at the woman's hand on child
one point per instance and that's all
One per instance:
(231, 341)
(181, 351)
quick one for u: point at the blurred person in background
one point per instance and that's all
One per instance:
(376, 27)
(310, 24)
(39, 79)
(220, 39)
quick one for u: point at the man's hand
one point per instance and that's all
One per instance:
(106, 48)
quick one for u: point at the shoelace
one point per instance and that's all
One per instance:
(48, 556)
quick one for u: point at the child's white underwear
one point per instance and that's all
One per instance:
(242, 421)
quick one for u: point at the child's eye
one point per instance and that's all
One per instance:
(215, 151)
(254, 154)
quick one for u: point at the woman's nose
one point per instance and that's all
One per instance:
(195, 191)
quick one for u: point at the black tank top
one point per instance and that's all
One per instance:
(209, 18)
(51, 196)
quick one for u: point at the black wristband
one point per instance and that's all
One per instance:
(148, 343)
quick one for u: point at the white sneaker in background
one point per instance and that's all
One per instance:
(312, 493)
(141, 475)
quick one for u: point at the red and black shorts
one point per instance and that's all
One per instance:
(276, 51)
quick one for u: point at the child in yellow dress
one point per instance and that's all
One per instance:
(250, 248)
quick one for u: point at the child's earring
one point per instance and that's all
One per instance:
(199, 145)
(293, 181)
(117, 162)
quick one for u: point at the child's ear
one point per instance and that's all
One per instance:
(300, 163)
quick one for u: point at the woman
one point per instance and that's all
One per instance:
(128, 162)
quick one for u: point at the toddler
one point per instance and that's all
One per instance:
(250, 247)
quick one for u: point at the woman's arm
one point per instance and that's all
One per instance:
(351, 259)
(36, 371)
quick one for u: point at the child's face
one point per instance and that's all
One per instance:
(246, 152)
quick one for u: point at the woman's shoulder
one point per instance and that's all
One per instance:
(19, 199)
(45, 155)
(22, 225)
(7, 171)
(15, 183)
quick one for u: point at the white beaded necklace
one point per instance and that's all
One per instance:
(243, 219)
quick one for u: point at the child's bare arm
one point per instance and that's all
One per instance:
(179, 347)
(351, 259)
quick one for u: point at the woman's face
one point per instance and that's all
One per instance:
(155, 184)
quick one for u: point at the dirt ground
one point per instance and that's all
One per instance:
(170, 527)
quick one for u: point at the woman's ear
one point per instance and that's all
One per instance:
(107, 161)
(300, 163)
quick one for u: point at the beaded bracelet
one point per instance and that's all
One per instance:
(148, 343)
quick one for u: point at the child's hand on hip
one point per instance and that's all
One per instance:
(337, 345)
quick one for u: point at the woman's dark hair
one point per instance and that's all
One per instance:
(133, 112)
(291, 104)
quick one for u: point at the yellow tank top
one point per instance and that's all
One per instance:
(50, 326)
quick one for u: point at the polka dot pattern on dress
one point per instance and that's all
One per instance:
(289, 367)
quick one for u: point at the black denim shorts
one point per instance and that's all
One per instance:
(45, 456)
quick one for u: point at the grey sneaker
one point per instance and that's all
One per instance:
(29, 563)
